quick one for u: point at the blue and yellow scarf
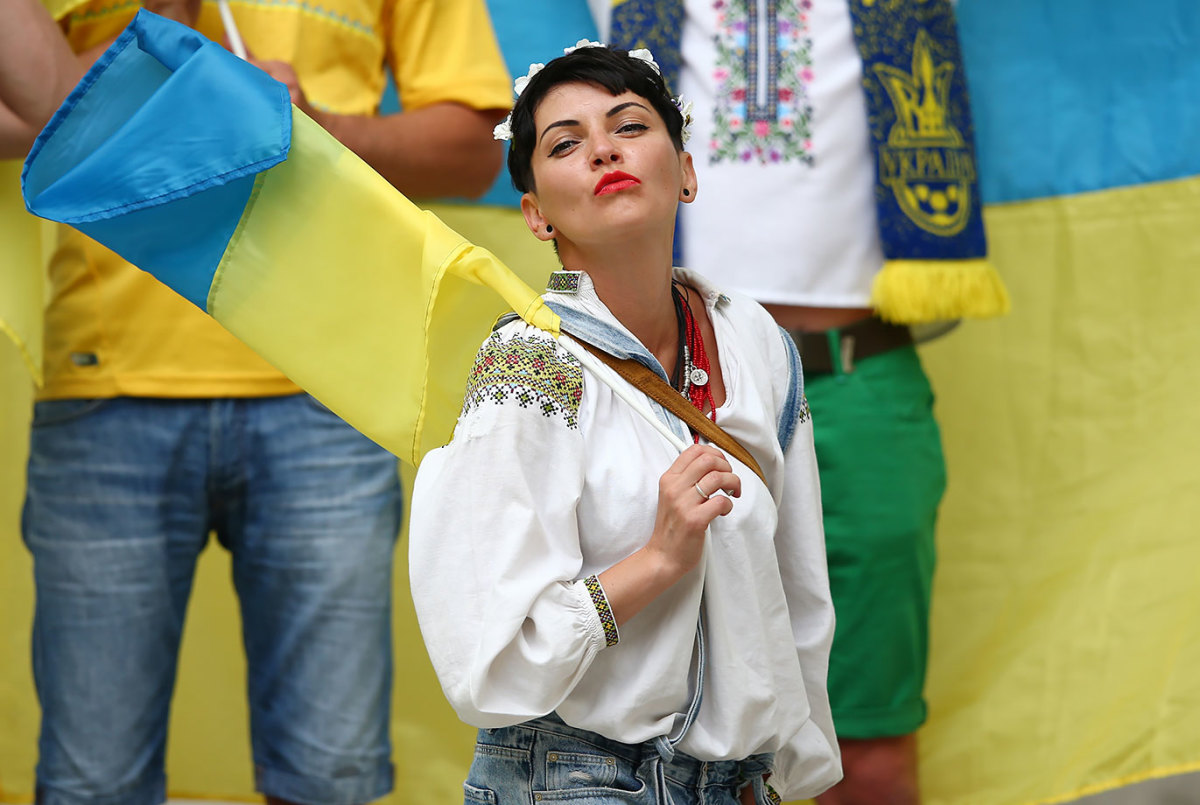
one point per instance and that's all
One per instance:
(927, 189)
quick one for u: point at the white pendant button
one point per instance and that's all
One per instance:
(698, 376)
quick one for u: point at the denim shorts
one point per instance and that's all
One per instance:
(546, 761)
(122, 496)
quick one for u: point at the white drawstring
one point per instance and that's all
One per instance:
(664, 745)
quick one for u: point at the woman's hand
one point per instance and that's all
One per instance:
(687, 503)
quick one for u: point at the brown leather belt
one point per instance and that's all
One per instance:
(854, 342)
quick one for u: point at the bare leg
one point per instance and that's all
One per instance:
(878, 771)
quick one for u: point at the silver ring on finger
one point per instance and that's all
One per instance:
(703, 494)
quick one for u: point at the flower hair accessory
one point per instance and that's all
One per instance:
(503, 129)
(685, 111)
(582, 43)
(521, 83)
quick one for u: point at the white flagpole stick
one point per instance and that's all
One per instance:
(231, 30)
(622, 390)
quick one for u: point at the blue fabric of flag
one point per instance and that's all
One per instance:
(1061, 86)
(203, 154)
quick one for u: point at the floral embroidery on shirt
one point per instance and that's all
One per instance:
(763, 68)
(530, 372)
(600, 601)
(804, 414)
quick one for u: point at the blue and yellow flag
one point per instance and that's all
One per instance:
(1066, 614)
(194, 166)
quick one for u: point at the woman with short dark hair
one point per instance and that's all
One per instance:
(625, 622)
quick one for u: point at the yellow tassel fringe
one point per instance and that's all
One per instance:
(922, 291)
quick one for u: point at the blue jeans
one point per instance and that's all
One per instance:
(122, 496)
(546, 761)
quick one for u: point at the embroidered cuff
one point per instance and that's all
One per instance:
(600, 602)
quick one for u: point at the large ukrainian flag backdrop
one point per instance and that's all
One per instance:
(1066, 627)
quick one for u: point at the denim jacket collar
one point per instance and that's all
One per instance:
(587, 318)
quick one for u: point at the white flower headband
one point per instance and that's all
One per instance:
(503, 130)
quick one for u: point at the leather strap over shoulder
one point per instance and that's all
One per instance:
(646, 381)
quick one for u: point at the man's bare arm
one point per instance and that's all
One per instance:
(444, 149)
(37, 70)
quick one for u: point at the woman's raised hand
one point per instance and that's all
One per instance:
(688, 501)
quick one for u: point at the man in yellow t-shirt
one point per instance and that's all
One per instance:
(155, 427)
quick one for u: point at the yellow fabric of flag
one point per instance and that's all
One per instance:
(371, 304)
(18, 706)
(1066, 605)
(21, 280)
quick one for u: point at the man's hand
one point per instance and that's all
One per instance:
(286, 75)
(444, 149)
(184, 11)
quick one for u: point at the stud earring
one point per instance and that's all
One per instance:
(549, 229)
(686, 192)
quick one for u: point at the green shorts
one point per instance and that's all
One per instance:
(882, 477)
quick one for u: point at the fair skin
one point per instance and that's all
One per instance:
(608, 179)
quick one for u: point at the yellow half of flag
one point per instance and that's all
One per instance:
(373, 305)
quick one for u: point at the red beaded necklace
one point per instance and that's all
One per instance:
(693, 368)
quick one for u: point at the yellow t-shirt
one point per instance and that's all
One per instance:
(112, 329)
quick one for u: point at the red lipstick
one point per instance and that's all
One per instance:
(615, 182)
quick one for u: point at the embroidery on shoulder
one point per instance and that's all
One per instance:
(529, 372)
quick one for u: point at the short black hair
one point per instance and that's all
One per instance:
(611, 68)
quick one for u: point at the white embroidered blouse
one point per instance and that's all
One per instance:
(551, 478)
(780, 139)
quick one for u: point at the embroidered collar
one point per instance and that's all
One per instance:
(585, 315)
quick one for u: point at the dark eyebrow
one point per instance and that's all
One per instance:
(615, 110)
(557, 124)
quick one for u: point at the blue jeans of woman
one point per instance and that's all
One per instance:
(547, 761)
